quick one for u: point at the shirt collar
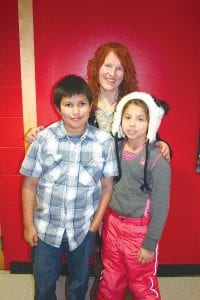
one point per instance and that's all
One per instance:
(62, 134)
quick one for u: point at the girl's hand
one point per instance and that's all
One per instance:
(164, 149)
(33, 133)
(145, 256)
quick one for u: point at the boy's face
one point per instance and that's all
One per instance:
(135, 123)
(75, 112)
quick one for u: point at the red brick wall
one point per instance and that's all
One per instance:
(11, 133)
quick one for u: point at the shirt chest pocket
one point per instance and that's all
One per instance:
(51, 166)
(91, 172)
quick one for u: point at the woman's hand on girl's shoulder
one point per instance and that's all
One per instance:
(164, 149)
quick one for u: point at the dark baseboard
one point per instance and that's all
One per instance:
(175, 270)
(168, 270)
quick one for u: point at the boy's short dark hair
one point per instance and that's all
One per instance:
(71, 85)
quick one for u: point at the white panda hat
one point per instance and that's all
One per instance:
(156, 112)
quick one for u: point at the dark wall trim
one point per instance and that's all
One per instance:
(163, 270)
(178, 270)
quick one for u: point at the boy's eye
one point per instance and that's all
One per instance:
(67, 104)
(83, 103)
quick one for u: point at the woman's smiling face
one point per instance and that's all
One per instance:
(111, 73)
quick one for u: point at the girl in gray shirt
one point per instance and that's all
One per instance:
(138, 209)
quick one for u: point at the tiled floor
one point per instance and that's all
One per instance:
(17, 286)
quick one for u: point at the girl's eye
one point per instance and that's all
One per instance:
(120, 69)
(141, 119)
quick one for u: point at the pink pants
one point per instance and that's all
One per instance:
(121, 239)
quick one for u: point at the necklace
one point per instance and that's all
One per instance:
(108, 99)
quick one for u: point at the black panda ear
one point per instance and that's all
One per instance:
(161, 103)
(165, 106)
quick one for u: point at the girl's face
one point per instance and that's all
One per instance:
(135, 123)
(111, 73)
(75, 112)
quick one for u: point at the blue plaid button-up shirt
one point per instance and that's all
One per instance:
(69, 187)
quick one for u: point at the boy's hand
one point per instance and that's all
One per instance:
(145, 256)
(164, 149)
(100, 228)
(30, 235)
(33, 133)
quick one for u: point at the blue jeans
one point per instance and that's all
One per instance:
(47, 267)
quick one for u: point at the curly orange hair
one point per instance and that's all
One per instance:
(129, 83)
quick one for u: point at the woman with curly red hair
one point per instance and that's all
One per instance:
(115, 59)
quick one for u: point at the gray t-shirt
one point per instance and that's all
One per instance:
(129, 200)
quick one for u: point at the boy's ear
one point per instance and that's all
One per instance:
(57, 109)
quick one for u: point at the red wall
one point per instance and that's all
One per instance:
(11, 133)
(163, 38)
